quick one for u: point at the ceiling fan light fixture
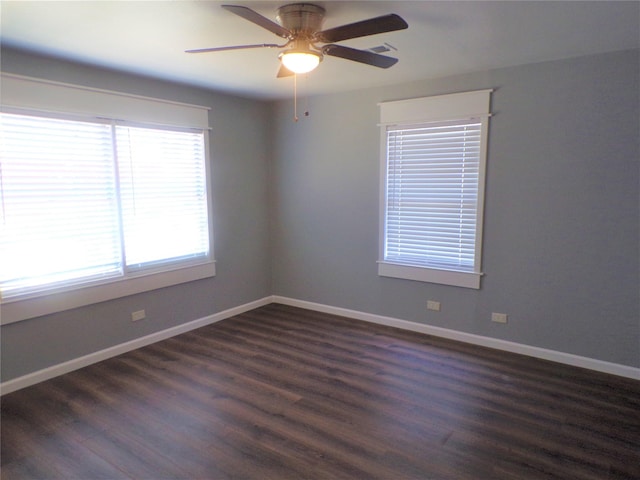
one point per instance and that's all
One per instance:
(300, 61)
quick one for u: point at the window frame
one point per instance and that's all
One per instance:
(65, 101)
(427, 111)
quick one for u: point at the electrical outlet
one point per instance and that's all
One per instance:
(433, 305)
(138, 315)
(499, 317)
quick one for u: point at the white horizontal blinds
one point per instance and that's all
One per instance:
(432, 194)
(95, 184)
(163, 195)
(58, 202)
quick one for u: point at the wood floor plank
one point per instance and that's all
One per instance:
(285, 393)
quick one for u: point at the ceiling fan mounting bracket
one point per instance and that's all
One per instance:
(301, 19)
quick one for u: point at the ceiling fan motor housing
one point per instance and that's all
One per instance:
(301, 19)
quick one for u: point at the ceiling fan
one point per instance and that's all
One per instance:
(300, 24)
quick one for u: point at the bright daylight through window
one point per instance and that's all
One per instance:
(434, 155)
(89, 201)
(73, 212)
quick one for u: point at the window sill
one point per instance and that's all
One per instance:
(58, 301)
(432, 275)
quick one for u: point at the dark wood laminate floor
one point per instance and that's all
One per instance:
(285, 393)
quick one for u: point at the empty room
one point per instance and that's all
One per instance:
(328, 240)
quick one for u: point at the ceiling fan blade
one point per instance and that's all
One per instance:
(385, 23)
(284, 72)
(258, 19)
(234, 47)
(361, 56)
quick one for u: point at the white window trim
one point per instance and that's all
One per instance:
(457, 106)
(66, 299)
(40, 95)
(25, 93)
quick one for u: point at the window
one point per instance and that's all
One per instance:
(434, 155)
(98, 206)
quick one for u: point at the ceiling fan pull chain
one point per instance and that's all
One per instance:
(306, 96)
(295, 97)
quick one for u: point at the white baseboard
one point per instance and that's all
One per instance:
(71, 365)
(537, 352)
(552, 355)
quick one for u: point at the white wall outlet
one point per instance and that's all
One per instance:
(499, 317)
(433, 305)
(138, 315)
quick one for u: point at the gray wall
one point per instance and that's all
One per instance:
(296, 213)
(561, 231)
(241, 230)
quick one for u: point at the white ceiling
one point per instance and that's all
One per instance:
(443, 38)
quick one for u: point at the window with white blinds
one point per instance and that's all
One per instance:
(58, 203)
(432, 194)
(93, 201)
(433, 190)
(163, 195)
